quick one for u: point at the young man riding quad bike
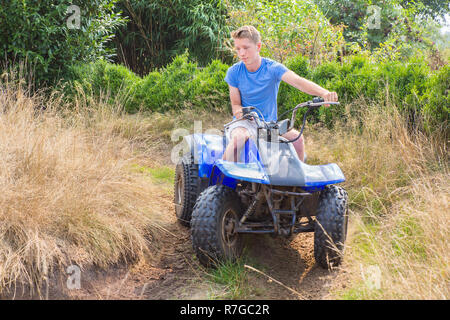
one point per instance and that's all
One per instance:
(254, 179)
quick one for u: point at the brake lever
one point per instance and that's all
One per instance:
(316, 102)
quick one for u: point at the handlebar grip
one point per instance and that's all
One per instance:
(247, 110)
(317, 100)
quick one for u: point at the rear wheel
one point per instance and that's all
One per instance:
(213, 227)
(331, 227)
(187, 187)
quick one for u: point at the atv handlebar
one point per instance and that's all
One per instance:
(316, 102)
(251, 113)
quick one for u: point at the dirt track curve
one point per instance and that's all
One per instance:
(177, 275)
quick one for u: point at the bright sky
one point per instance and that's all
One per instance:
(446, 27)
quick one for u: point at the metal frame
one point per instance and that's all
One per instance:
(263, 192)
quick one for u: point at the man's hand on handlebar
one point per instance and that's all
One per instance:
(330, 96)
(247, 113)
(243, 112)
(238, 114)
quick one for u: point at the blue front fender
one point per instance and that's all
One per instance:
(251, 172)
(281, 168)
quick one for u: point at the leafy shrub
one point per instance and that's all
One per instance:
(117, 77)
(354, 76)
(326, 73)
(208, 90)
(403, 78)
(102, 77)
(181, 84)
(168, 89)
(145, 93)
(436, 98)
(408, 85)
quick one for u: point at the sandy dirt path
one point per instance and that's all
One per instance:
(177, 274)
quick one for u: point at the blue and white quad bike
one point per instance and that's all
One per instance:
(268, 191)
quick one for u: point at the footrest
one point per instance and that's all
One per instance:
(284, 211)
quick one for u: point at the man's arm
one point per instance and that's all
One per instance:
(309, 87)
(235, 97)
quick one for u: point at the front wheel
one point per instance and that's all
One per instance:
(214, 222)
(331, 227)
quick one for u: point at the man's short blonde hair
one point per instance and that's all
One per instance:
(247, 32)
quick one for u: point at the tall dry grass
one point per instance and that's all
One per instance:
(150, 132)
(67, 191)
(69, 194)
(398, 183)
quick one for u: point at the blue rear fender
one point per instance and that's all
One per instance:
(207, 150)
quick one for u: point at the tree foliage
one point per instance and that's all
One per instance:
(289, 28)
(373, 22)
(431, 8)
(37, 31)
(159, 30)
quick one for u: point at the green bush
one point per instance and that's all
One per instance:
(411, 86)
(354, 76)
(406, 80)
(168, 89)
(145, 93)
(436, 98)
(183, 85)
(208, 90)
(104, 78)
(117, 77)
(180, 84)
(86, 77)
(349, 79)
(326, 73)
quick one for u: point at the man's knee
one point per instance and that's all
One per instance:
(300, 140)
(240, 135)
(293, 134)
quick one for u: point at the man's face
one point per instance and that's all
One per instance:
(247, 50)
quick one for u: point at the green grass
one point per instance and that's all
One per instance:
(360, 291)
(409, 239)
(234, 278)
(364, 243)
(161, 175)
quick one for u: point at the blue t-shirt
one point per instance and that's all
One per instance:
(260, 88)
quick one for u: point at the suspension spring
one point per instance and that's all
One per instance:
(250, 210)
